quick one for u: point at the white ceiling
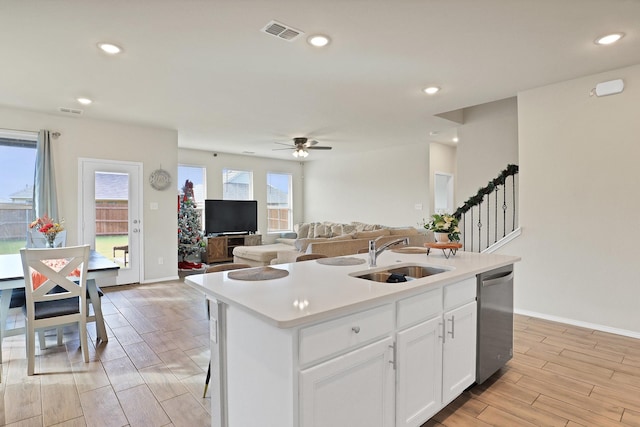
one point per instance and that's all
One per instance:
(205, 69)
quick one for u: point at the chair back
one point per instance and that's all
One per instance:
(64, 269)
(35, 239)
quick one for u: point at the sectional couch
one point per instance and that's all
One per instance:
(327, 238)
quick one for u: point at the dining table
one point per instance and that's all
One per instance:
(12, 277)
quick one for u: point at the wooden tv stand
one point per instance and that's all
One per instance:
(220, 248)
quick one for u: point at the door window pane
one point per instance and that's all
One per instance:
(237, 185)
(279, 202)
(17, 166)
(112, 216)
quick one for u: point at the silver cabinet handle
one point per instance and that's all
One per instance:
(453, 325)
(356, 329)
(393, 355)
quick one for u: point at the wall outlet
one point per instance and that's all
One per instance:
(153, 206)
(160, 260)
(418, 206)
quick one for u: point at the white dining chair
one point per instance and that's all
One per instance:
(36, 239)
(54, 296)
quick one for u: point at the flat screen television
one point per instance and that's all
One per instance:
(230, 216)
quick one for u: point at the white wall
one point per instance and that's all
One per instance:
(84, 137)
(260, 167)
(579, 208)
(379, 187)
(488, 142)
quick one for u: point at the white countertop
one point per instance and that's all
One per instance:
(313, 292)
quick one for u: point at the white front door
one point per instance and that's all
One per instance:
(109, 218)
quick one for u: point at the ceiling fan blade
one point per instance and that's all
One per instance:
(322, 147)
(310, 143)
(279, 149)
(282, 143)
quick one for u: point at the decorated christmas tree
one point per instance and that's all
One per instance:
(190, 235)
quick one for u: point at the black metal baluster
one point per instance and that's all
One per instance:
(496, 227)
(513, 185)
(480, 227)
(471, 229)
(504, 210)
(488, 222)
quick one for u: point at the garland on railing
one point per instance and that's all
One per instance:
(490, 188)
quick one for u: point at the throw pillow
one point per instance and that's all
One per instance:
(301, 229)
(321, 230)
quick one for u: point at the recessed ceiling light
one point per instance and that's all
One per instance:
(110, 48)
(318, 40)
(84, 101)
(609, 38)
(431, 90)
(455, 139)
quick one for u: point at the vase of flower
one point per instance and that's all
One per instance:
(49, 229)
(444, 227)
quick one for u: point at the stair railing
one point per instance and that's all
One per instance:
(492, 211)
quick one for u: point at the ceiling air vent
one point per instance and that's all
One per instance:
(72, 111)
(282, 31)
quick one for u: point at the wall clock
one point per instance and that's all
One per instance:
(160, 179)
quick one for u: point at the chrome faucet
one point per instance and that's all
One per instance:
(374, 252)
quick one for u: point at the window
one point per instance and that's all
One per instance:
(237, 185)
(17, 166)
(279, 204)
(197, 175)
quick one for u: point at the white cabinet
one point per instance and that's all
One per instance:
(354, 389)
(458, 351)
(419, 376)
(436, 358)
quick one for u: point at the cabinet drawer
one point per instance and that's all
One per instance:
(336, 336)
(460, 293)
(419, 307)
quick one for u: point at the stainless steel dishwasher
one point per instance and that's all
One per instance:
(495, 321)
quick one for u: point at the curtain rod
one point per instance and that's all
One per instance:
(54, 134)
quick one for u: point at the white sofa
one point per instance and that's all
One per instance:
(330, 239)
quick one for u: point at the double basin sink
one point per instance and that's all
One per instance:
(400, 273)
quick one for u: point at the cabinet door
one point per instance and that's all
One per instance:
(355, 389)
(216, 249)
(419, 373)
(459, 351)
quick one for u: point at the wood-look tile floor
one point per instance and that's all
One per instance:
(152, 370)
(560, 375)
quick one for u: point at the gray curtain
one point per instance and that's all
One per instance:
(45, 197)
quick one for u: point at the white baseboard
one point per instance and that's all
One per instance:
(595, 326)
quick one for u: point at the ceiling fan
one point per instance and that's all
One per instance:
(301, 145)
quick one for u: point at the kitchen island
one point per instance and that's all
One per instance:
(323, 347)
